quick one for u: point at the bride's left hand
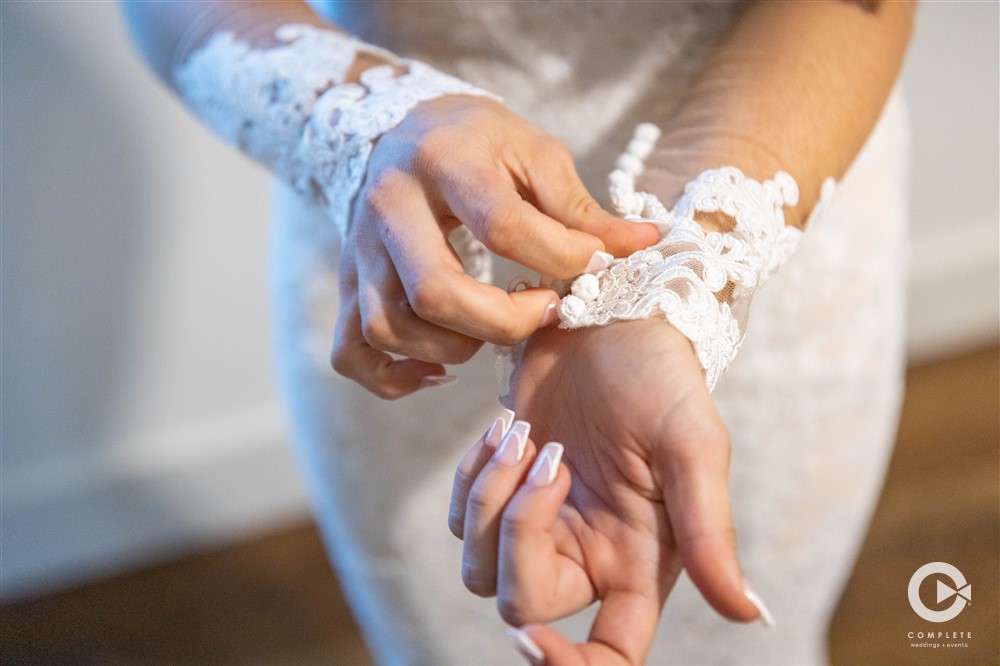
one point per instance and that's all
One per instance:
(648, 455)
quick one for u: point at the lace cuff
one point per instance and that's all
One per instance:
(701, 282)
(289, 107)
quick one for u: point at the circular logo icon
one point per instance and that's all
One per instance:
(959, 588)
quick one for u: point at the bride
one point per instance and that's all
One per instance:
(617, 474)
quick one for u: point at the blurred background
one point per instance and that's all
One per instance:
(143, 444)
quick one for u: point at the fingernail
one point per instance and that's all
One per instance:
(508, 419)
(494, 434)
(512, 447)
(765, 614)
(546, 466)
(551, 315)
(520, 283)
(431, 381)
(598, 262)
(527, 647)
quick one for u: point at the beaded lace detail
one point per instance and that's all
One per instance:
(289, 108)
(701, 282)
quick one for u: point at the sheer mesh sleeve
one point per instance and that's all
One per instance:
(289, 107)
(702, 282)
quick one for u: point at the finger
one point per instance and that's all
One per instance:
(440, 292)
(536, 582)
(540, 645)
(389, 323)
(490, 493)
(544, 646)
(469, 467)
(699, 506)
(488, 203)
(624, 628)
(378, 372)
(559, 193)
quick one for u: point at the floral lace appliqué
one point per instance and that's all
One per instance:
(288, 107)
(699, 281)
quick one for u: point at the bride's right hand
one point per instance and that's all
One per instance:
(460, 160)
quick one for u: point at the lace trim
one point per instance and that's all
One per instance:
(288, 107)
(701, 282)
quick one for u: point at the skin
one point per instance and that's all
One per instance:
(649, 488)
(454, 160)
(643, 490)
(459, 160)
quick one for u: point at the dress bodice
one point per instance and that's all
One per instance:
(586, 72)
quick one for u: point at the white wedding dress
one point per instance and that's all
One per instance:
(811, 400)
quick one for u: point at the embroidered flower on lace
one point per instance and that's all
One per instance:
(701, 282)
(288, 107)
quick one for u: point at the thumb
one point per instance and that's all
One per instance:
(560, 194)
(621, 635)
(699, 506)
(540, 645)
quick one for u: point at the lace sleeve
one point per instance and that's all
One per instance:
(700, 281)
(290, 108)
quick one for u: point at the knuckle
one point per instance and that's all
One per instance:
(514, 525)
(554, 151)
(479, 501)
(381, 191)
(512, 611)
(431, 149)
(459, 353)
(376, 332)
(559, 151)
(475, 580)
(375, 199)
(582, 203)
(508, 332)
(340, 360)
(499, 225)
(427, 298)
(386, 391)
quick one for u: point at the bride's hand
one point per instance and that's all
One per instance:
(460, 160)
(648, 456)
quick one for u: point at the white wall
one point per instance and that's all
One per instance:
(138, 414)
(139, 417)
(952, 83)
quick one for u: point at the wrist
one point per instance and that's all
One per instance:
(700, 281)
(681, 156)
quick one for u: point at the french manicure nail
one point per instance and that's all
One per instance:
(765, 614)
(599, 262)
(527, 647)
(508, 419)
(431, 381)
(546, 466)
(495, 434)
(519, 283)
(551, 315)
(512, 447)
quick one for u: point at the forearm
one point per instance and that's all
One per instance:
(297, 95)
(167, 33)
(796, 86)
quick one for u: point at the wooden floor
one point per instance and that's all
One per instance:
(274, 601)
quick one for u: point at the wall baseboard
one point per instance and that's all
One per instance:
(218, 482)
(954, 291)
